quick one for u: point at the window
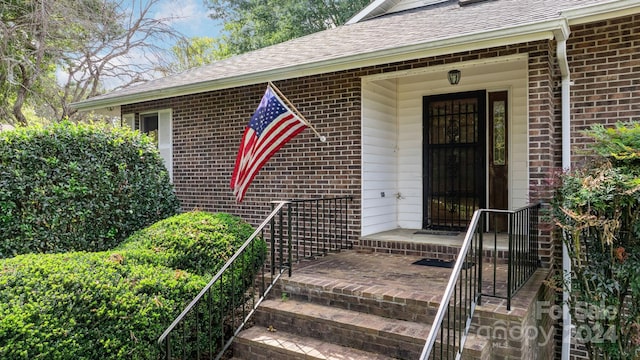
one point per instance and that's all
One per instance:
(149, 125)
(158, 125)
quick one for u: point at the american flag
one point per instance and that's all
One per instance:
(270, 128)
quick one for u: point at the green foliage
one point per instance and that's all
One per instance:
(196, 241)
(87, 306)
(598, 209)
(212, 241)
(194, 52)
(254, 24)
(619, 143)
(115, 304)
(78, 187)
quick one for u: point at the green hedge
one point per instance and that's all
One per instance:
(78, 187)
(195, 241)
(115, 304)
(87, 306)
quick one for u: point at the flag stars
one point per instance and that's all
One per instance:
(266, 113)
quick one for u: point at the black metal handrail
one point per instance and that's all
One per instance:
(522, 256)
(207, 326)
(467, 285)
(319, 226)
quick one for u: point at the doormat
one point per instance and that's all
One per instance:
(437, 232)
(441, 263)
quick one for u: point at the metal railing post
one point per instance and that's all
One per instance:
(480, 234)
(510, 261)
(461, 296)
(293, 206)
(280, 238)
(290, 240)
(273, 244)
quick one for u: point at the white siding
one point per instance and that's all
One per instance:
(379, 158)
(519, 143)
(411, 90)
(392, 137)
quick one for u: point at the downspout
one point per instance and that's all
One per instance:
(561, 38)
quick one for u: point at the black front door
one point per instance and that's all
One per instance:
(453, 158)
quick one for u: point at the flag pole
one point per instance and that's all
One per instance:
(293, 108)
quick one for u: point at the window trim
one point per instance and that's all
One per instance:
(165, 121)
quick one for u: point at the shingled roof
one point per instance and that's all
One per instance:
(427, 30)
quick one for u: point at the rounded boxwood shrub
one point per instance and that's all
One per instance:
(87, 306)
(196, 241)
(78, 187)
(115, 304)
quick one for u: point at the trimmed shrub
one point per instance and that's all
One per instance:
(196, 241)
(87, 306)
(115, 304)
(78, 187)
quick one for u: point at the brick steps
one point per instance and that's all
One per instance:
(333, 309)
(388, 303)
(258, 343)
(390, 337)
(428, 250)
(355, 305)
(323, 332)
(443, 245)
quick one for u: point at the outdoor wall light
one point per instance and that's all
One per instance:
(454, 77)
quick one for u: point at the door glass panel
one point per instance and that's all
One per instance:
(498, 158)
(499, 135)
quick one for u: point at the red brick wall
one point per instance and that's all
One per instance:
(207, 129)
(544, 138)
(208, 126)
(604, 60)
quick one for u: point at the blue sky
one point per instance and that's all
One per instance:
(191, 17)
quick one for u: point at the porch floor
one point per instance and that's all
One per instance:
(390, 276)
(443, 238)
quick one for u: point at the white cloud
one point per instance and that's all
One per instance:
(190, 17)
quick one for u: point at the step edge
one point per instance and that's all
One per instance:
(272, 306)
(295, 339)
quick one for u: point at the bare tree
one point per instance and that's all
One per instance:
(57, 52)
(23, 54)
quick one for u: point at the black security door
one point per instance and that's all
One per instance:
(454, 154)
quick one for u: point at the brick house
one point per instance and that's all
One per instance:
(531, 75)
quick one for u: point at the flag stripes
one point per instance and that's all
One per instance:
(270, 128)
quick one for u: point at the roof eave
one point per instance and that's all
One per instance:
(519, 34)
(375, 5)
(599, 12)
